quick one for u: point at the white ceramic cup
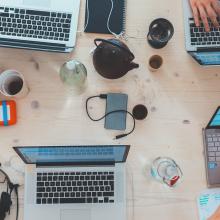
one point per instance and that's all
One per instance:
(155, 63)
(12, 84)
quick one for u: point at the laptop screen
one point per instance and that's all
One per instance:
(207, 58)
(73, 154)
(215, 120)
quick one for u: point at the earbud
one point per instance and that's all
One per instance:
(5, 204)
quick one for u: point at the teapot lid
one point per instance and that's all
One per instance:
(116, 43)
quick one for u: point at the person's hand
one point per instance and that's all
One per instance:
(216, 215)
(204, 9)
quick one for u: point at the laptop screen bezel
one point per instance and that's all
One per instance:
(213, 116)
(127, 148)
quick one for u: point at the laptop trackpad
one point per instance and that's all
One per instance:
(40, 3)
(75, 214)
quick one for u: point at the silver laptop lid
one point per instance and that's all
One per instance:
(42, 4)
(187, 12)
(47, 25)
(73, 155)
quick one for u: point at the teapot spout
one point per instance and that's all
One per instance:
(132, 66)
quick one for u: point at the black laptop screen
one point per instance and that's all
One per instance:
(207, 58)
(73, 154)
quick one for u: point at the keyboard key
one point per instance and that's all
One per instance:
(212, 148)
(95, 200)
(40, 189)
(212, 159)
(73, 194)
(211, 144)
(39, 195)
(40, 13)
(45, 195)
(111, 177)
(40, 183)
(49, 201)
(66, 30)
(106, 200)
(108, 194)
(4, 15)
(55, 200)
(72, 200)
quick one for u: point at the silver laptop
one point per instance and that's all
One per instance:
(48, 25)
(202, 46)
(211, 136)
(75, 182)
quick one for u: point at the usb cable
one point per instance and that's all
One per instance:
(104, 96)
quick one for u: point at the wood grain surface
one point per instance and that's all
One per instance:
(181, 97)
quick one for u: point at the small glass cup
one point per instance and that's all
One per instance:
(166, 171)
(74, 74)
(155, 63)
(160, 32)
(12, 84)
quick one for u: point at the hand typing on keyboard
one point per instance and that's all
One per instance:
(204, 9)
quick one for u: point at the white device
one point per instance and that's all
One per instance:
(48, 25)
(203, 46)
(75, 182)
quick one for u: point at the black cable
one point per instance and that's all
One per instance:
(16, 193)
(10, 188)
(104, 96)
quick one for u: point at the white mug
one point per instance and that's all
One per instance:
(12, 84)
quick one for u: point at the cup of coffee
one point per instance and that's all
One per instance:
(155, 63)
(160, 32)
(12, 84)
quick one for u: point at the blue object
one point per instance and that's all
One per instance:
(5, 113)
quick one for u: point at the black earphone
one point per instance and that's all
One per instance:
(5, 200)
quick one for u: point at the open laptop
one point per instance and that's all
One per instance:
(48, 25)
(75, 182)
(202, 46)
(211, 136)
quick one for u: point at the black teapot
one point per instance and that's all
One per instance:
(112, 58)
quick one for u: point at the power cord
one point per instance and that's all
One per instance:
(104, 96)
(16, 193)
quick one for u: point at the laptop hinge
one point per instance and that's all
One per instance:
(75, 164)
(208, 49)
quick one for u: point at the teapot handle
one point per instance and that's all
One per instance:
(114, 44)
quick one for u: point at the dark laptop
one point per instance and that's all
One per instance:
(211, 136)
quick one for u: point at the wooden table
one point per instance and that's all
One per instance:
(181, 98)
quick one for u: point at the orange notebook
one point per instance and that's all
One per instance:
(8, 114)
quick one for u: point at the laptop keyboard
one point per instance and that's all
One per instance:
(75, 187)
(200, 37)
(35, 24)
(213, 142)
